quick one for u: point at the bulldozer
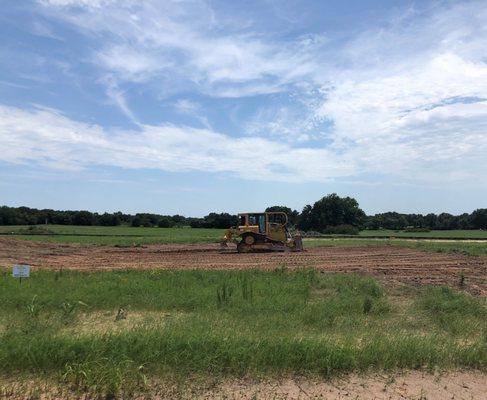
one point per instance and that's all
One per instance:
(262, 231)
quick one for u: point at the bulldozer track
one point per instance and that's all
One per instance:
(393, 265)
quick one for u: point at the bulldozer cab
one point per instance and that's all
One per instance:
(270, 224)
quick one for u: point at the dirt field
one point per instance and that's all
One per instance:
(393, 264)
(412, 385)
(407, 386)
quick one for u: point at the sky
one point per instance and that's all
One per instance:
(188, 107)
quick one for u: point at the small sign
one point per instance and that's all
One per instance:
(21, 271)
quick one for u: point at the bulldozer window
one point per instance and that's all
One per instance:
(262, 223)
(258, 219)
(241, 220)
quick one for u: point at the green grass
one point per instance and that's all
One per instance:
(108, 332)
(469, 248)
(467, 234)
(128, 236)
(116, 235)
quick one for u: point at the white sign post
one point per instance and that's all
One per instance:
(21, 271)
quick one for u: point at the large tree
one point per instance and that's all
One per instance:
(332, 210)
(479, 218)
(292, 215)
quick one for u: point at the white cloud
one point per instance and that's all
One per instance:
(46, 137)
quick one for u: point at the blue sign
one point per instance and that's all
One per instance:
(21, 271)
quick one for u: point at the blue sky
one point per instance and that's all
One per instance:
(196, 106)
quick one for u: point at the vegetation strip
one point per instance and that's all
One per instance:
(113, 330)
(364, 237)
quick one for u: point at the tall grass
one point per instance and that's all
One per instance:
(223, 323)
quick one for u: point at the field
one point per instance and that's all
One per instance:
(130, 236)
(170, 316)
(113, 235)
(396, 264)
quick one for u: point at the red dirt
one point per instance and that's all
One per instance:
(391, 264)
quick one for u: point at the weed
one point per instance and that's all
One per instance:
(223, 294)
(367, 305)
(121, 314)
(33, 308)
(246, 288)
(461, 283)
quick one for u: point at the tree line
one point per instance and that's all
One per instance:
(331, 214)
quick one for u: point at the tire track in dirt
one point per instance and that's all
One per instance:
(391, 264)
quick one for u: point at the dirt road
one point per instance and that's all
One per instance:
(392, 264)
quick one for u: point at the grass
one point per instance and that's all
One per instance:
(467, 234)
(468, 248)
(110, 332)
(129, 236)
(114, 236)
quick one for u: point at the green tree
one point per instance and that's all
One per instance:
(83, 218)
(107, 219)
(479, 218)
(164, 222)
(334, 210)
(304, 220)
(292, 215)
(220, 221)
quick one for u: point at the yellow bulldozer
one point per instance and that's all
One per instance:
(264, 231)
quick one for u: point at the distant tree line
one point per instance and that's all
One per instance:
(33, 216)
(444, 221)
(331, 214)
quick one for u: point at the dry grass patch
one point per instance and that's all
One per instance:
(115, 321)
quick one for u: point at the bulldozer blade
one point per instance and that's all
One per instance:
(298, 243)
(224, 249)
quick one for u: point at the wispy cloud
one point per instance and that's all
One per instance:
(149, 40)
(117, 96)
(192, 109)
(186, 106)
